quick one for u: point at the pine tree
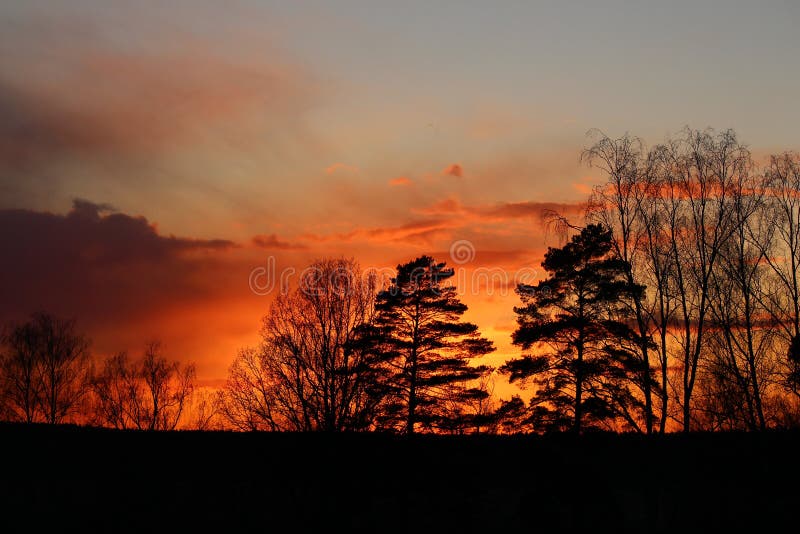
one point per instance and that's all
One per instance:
(427, 349)
(585, 364)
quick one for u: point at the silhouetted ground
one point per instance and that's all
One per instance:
(144, 482)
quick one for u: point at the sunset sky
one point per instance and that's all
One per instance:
(152, 154)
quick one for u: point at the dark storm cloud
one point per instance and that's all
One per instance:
(100, 265)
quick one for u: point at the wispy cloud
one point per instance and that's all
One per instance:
(272, 241)
(500, 211)
(401, 181)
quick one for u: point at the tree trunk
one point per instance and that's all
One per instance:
(664, 380)
(412, 399)
(412, 385)
(578, 388)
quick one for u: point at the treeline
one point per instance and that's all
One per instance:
(677, 305)
(673, 304)
(342, 354)
(48, 376)
(344, 351)
(713, 241)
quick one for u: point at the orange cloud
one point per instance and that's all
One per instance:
(446, 206)
(453, 170)
(420, 231)
(500, 211)
(507, 225)
(400, 181)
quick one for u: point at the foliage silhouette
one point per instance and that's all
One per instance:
(577, 316)
(427, 350)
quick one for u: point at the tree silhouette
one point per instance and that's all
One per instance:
(150, 394)
(427, 349)
(308, 374)
(782, 254)
(617, 205)
(250, 398)
(738, 342)
(715, 240)
(700, 169)
(793, 359)
(112, 387)
(577, 318)
(43, 369)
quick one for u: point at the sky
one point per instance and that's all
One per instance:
(154, 154)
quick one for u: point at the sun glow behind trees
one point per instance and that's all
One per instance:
(702, 334)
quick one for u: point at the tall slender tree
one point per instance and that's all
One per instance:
(739, 342)
(783, 256)
(700, 170)
(657, 217)
(427, 348)
(617, 205)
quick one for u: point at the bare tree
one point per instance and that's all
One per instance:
(250, 395)
(701, 170)
(113, 387)
(783, 257)
(167, 386)
(205, 410)
(19, 374)
(617, 205)
(740, 340)
(44, 369)
(684, 218)
(657, 218)
(308, 373)
(150, 394)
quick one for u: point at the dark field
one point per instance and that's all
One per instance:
(144, 482)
